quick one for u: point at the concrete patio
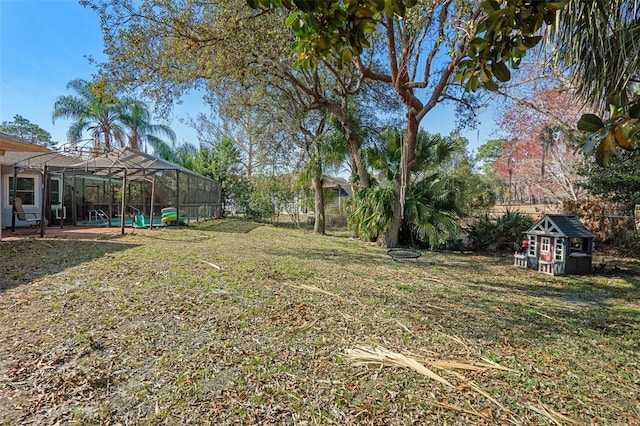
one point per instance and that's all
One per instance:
(66, 232)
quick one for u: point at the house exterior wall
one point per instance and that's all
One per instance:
(6, 208)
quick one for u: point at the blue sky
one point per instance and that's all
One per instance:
(44, 44)
(42, 48)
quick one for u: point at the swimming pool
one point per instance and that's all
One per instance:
(116, 222)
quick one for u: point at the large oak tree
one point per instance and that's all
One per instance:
(419, 50)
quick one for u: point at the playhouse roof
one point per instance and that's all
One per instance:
(567, 226)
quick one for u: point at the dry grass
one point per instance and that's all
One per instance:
(233, 322)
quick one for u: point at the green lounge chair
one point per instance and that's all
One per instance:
(138, 222)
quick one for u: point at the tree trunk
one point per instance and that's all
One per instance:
(407, 161)
(354, 145)
(318, 205)
(349, 129)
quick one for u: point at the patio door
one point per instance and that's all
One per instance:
(55, 200)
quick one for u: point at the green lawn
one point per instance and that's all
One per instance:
(234, 322)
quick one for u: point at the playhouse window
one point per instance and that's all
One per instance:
(577, 245)
(559, 249)
(545, 245)
(532, 246)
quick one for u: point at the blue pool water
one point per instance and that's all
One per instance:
(116, 222)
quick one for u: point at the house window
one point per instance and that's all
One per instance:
(545, 245)
(25, 189)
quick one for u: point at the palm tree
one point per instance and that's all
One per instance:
(431, 203)
(93, 109)
(432, 209)
(136, 117)
(164, 150)
(600, 42)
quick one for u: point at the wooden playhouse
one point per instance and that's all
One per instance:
(557, 245)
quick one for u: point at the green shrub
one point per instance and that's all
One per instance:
(499, 234)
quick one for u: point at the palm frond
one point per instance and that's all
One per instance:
(600, 42)
(370, 211)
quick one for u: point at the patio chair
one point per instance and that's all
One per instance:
(32, 219)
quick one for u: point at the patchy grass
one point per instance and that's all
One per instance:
(233, 322)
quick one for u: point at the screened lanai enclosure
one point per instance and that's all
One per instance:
(114, 189)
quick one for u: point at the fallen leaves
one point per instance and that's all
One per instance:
(253, 329)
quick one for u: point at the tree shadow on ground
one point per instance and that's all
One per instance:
(595, 289)
(493, 297)
(331, 256)
(27, 260)
(490, 311)
(535, 306)
(234, 226)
